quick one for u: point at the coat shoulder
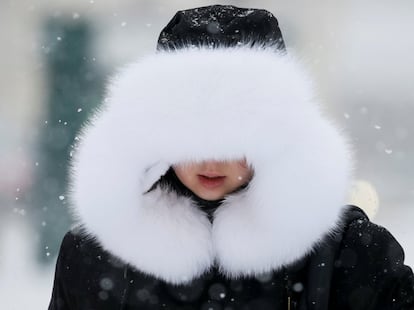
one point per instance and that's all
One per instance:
(369, 242)
(77, 243)
(369, 268)
(85, 275)
(81, 251)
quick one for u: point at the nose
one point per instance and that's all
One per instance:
(212, 164)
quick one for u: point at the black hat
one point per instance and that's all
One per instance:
(221, 25)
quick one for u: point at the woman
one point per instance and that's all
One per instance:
(211, 180)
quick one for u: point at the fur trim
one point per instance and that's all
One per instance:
(198, 104)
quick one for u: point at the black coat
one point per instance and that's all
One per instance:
(361, 268)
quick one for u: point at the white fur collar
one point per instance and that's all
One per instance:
(202, 104)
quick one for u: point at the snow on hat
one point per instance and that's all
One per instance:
(223, 25)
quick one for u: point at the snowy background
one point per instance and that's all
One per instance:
(56, 56)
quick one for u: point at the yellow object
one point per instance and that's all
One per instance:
(364, 195)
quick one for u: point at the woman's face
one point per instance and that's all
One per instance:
(212, 180)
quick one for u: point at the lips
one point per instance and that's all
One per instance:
(211, 181)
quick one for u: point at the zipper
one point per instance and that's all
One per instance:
(125, 293)
(291, 303)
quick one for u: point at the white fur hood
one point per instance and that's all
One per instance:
(200, 104)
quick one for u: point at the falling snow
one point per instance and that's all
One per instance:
(377, 131)
(297, 287)
(106, 284)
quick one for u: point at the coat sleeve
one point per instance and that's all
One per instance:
(370, 270)
(60, 295)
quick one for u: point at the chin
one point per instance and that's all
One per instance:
(211, 196)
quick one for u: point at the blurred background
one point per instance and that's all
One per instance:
(57, 55)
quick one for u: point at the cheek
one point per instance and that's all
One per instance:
(186, 174)
(181, 172)
(241, 175)
(247, 174)
(243, 164)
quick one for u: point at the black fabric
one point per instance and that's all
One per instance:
(221, 25)
(360, 267)
(370, 266)
(87, 278)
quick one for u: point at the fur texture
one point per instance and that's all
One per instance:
(198, 104)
